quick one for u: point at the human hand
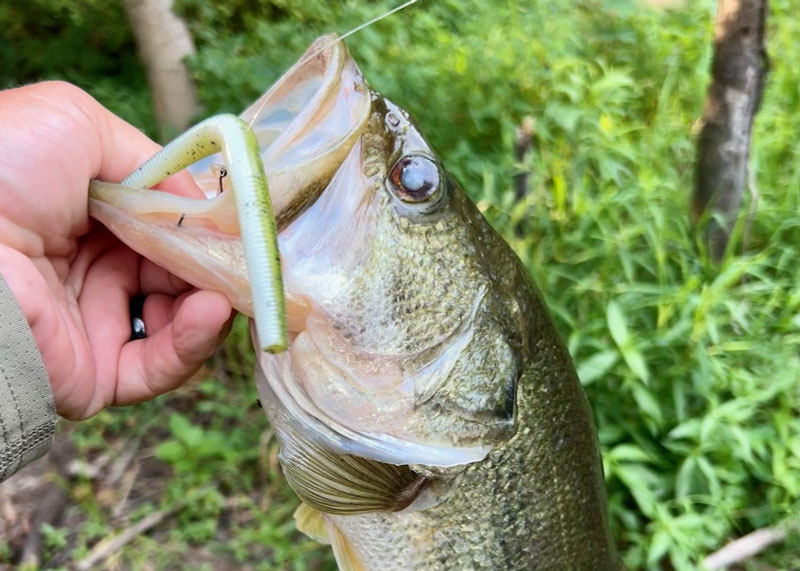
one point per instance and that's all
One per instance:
(71, 277)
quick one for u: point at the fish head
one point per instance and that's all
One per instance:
(408, 315)
(415, 327)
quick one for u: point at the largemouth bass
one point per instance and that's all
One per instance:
(429, 415)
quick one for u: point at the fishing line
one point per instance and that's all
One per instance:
(377, 19)
(346, 35)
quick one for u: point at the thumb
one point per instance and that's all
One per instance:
(158, 364)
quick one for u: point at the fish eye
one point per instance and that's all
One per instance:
(414, 178)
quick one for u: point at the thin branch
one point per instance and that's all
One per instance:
(745, 547)
(54, 499)
(108, 547)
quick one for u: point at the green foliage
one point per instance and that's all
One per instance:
(692, 370)
(86, 42)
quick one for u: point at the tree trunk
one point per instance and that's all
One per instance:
(164, 42)
(723, 151)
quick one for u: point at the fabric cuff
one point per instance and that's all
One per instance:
(27, 410)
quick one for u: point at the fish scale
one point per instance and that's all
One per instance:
(406, 306)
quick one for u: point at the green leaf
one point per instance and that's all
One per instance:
(629, 453)
(636, 478)
(170, 451)
(191, 435)
(54, 537)
(635, 361)
(647, 403)
(616, 324)
(684, 480)
(689, 429)
(711, 477)
(596, 366)
(658, 546)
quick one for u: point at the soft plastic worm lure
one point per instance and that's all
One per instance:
(248, 182)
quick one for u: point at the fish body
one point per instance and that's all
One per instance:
(429, 415)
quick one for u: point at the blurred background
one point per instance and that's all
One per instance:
(691, 366)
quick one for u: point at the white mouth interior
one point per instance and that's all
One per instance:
(305, 123)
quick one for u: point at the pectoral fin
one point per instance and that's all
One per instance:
(343, 484)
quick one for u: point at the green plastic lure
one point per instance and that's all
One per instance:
(235, 139)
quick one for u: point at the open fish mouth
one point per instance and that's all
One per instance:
(362, 378)
(305, 125)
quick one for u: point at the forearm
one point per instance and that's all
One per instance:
(27, 413)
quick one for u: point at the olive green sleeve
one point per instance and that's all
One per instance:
(27, 413)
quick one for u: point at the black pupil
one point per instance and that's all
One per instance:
(419, 177)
